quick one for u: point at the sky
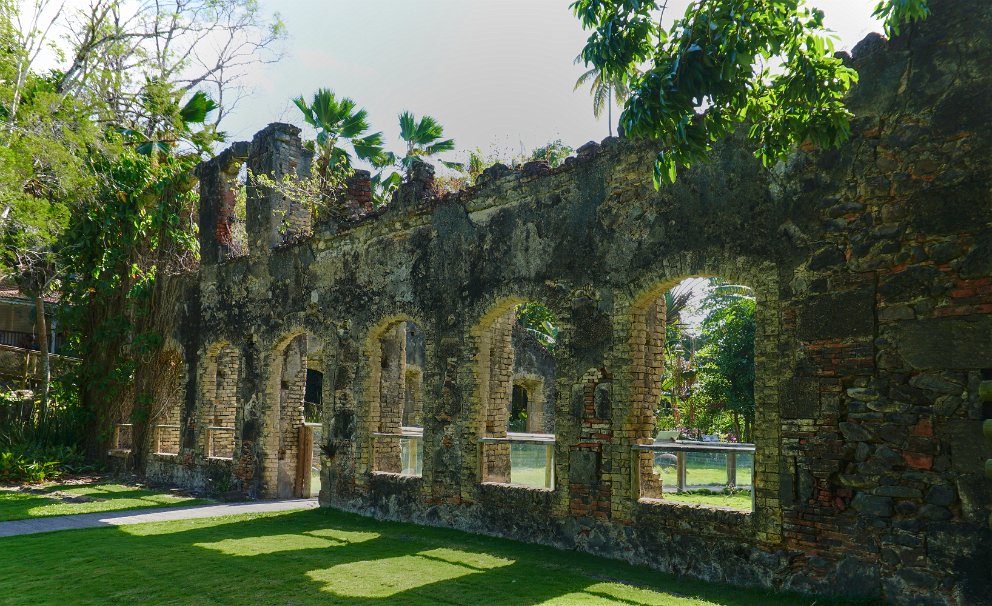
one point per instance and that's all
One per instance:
(497, 74)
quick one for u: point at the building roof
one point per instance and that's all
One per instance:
(13, 292)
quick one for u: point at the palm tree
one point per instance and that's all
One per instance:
(605, 90)
(424, 139)
(338, 121)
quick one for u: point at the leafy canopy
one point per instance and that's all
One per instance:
(766, 63)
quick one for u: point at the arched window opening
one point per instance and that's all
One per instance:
(291, 466)
(397, 400)
(518, 372)
(694, 349)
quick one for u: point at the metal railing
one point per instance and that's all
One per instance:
(411, 453)
(524, 470)
(157, 432)
(211, 434)
(680, 450)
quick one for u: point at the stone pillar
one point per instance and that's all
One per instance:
(392, 397)
(417, 189)
(647, 347)
(357, 197)
(273, 217)
(498, 347)
(292, 388)
(218, 192)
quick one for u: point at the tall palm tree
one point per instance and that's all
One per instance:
(423, 139)
(340, 121)
(604, 90)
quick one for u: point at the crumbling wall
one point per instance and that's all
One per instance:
(870, 264)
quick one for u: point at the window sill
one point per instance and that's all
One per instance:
(527, 487)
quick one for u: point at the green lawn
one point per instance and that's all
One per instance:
(708, 475)
(328, 557)
(738, 500)
(16, 505)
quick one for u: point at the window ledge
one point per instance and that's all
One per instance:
(662, 503)
(390, 474)
(527, 487)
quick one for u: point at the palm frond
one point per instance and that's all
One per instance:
(428, 130)
(439, 147)
(305, 109)
(408, 126)
(585, 77)
(353, 124)
(369, 147)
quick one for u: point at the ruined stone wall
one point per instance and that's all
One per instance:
(871, 265)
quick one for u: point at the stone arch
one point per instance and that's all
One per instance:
(641, 313)
(394, 351)
(491, 340)
(282, 473)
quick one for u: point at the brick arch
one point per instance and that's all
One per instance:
(287, 370)
(386, 390)
(492, 377)
(640, 362)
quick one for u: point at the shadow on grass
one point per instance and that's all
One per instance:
(328, 557)
(15, 505)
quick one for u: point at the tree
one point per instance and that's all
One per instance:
(765, 63)
(679, 375)
(539, 322)
(725, 363)
(340, 122)
(604, 90)
(423, 140)
(121, 50)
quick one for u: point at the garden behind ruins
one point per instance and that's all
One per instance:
(762, 383)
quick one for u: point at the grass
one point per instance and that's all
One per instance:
(739, 499)
(328, 557)
(698, 475)
(16, 505)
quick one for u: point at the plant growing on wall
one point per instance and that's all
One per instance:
(340, 125)
(724, 63)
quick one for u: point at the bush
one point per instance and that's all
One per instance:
(33, 449)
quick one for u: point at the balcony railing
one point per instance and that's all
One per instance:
(409, 461)
(531, 459)
(712, 465)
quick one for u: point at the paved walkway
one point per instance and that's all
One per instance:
(141, 516)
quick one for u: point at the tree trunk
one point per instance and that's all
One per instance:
(609, 110)
(41, 327)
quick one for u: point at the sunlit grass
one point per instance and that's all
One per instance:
(15, 505)
(739, 499)
(327, 557)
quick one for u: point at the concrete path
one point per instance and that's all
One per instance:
(141, 516)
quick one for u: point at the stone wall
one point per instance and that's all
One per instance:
(871, 265)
